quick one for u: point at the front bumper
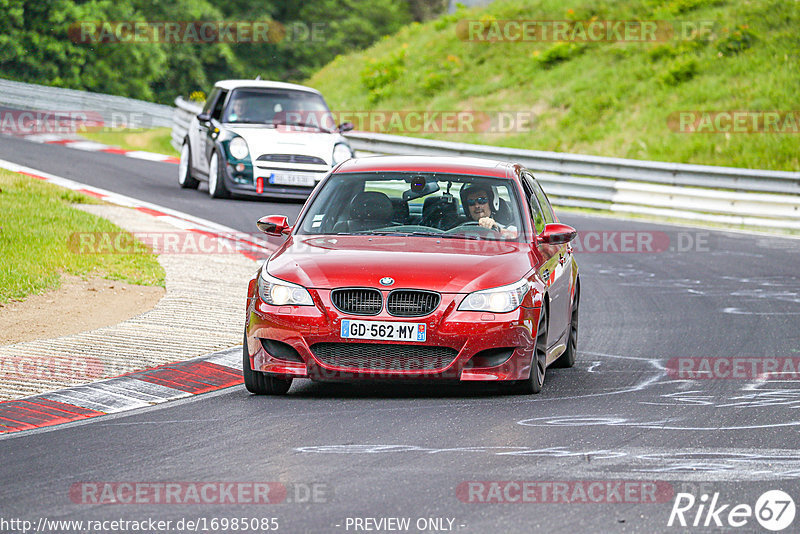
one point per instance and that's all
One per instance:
(244, 183)
(270, 191)
(484, 346)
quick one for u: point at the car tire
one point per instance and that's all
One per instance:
(216, 178)
(568, 358)
(535, 382)
(261, 383)
(185, 178)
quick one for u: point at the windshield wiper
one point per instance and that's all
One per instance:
(415, 234)
(459, 236)
(371, 232)
(304, 125)
(247, 121)
(426, 234)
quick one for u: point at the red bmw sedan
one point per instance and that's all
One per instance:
(415, 268)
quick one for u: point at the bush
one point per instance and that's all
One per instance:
(736, 41)
(378, 76)
(684, 48)
(679, 71)
(662, 51)
(558, 53)
(435, 80)
(678, 7)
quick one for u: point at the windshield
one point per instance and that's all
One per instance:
(415, 204)
(279, 107)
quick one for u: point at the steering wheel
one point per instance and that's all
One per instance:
(434, 219)
(475, 223)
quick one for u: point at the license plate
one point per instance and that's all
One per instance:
(293, 178)
(383, 330)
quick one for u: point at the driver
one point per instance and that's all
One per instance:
(237, 110)
(478, 201)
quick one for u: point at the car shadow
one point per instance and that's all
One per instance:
(377, 389)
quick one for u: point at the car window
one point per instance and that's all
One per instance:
(547, 209)
(217, 113)
(210, 100)
(279, 106)
(415, 203)
(537, 214)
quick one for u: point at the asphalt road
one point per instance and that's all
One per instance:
(406, 451)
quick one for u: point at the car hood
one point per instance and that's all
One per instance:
(283, 140)
(444, 265)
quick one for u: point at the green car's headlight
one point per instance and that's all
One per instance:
(341, 152)
(238, 148)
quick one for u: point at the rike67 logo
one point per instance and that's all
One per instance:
(774, 510)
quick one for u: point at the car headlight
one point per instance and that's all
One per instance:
(279, 293)
(238, 148)
(341, 152)
(496, 300)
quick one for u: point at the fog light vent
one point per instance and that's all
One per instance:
(281, 351)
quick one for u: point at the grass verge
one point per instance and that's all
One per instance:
(153, 140)
(38, 220)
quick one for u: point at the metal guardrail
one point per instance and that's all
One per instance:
(114, 110)
(185, 110)
(724, 195)
(603, 167)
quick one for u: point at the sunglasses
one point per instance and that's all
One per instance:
(479, 200)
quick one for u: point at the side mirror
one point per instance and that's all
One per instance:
(276, 225)
(346, 127)
(203, 117)
(557, 234)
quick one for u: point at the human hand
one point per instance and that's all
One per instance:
(508, 233)
(487, 222)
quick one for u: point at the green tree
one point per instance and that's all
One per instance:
(189, 66)
(342, 26)
(40, 44)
